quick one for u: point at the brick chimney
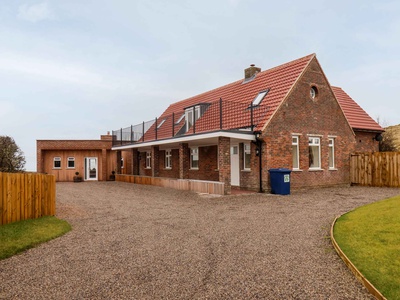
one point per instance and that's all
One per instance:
(251, 72)
(107, 137)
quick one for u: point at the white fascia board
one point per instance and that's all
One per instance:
(245, 136)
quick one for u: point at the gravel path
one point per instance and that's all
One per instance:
(141, 242)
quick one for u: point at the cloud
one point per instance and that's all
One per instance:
(53, 70)
(35, 12)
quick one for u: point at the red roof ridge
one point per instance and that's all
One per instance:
(307, 58)
(285, 65)
(282, 66)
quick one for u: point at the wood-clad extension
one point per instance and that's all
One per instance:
(375, 169)
(26, 196)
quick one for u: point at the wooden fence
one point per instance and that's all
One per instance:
(201, 186)
(375, 169)
(26, 196)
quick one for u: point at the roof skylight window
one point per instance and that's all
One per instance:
(257, 100)
(162, 122)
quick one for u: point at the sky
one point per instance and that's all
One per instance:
(76, 69)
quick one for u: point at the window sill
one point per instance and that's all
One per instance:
(148, 168)
(246, 170)
(297, 170)
(167, 169)
(194, 169)
(71, 168)
(315, 170)
(332, 169)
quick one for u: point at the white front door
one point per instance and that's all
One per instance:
(91, 168)
(235, 165)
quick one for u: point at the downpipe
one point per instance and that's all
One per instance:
(258, 142)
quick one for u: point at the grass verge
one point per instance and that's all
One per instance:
(370, 237)
(19, 236)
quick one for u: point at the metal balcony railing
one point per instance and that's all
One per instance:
(214, 116)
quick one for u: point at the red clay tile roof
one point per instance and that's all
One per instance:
(237, 97)
(357, 117)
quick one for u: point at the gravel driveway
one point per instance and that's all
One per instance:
(141, 242)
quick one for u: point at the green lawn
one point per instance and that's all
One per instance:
(370, 237)
(19, 236)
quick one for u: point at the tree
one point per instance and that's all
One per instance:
(11, 157)
(388, 142)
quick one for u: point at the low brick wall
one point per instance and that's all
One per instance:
(200, 186)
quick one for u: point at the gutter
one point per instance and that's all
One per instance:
(242, 135)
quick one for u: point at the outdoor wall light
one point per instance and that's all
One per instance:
(378, 137)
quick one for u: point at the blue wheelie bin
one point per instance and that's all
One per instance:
(280, 181)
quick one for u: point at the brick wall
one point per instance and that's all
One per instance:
(365, 142)
(155, 164)
(135, 162)
(321, 117)
(224, 158)
(184, 160)
(174, 171)
(142, 165)
(249, 179)
(208, 165)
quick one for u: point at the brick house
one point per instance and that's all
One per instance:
(285, 117)
(93, 159)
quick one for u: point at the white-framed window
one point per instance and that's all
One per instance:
(246, 156)
(168, 162)
(194, 158)
(313, 92)
(314, 152)
(295, 152)
(257, 100)
(190, 117)
(331, 155)
(57, 163)
(148, 160)
(122, 162)
(71, 162)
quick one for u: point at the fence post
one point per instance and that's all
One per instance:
(131, 134)
(173, 124)
(143, 131)
(156, 128)
(194, 119)
(251, 116)
(121, 136)
(220, 113)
